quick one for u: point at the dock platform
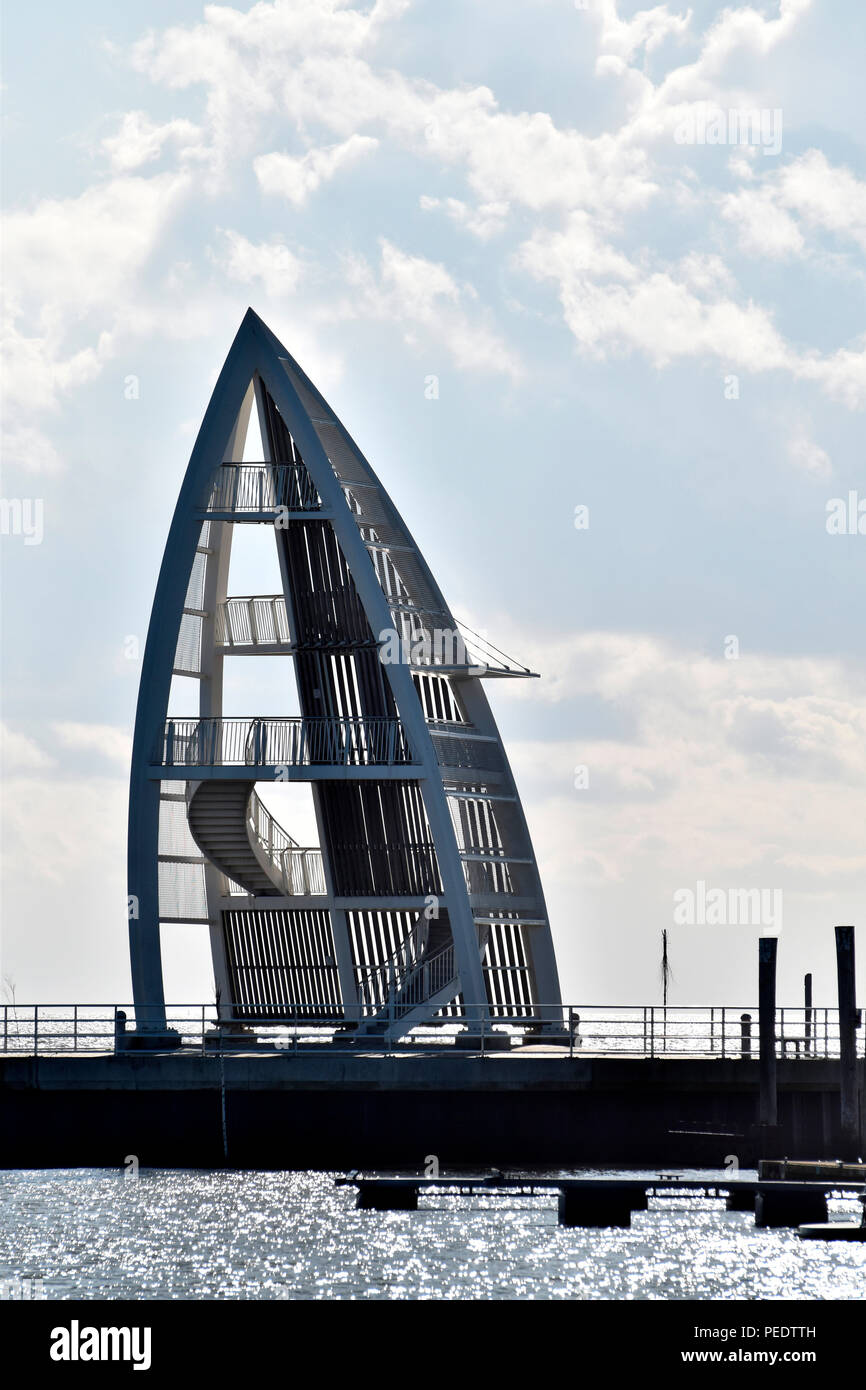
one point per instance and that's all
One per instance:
(598, 1201)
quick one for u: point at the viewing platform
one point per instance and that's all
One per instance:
(194, 748)
(259, 491)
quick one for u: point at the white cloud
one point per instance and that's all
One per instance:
(103, 739)
(745, 28)
(243, 59)
(27, 449)
(73, 267)
(615, 305)
(806, 454)
(739, 767)
(271, 263)
(69, 256)
(19, 751)
(296, 178)
(484, 221)
(312, 62)
(763, 227)
(251, 62)
(824, 196)
(808, 193)
(647, 29)
(428, 304)
(65, 930)
(141, 141)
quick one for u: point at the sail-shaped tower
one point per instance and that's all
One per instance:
(421, 900)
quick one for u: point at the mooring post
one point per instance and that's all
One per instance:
(119, 1028)
(849, 1127)
(746, 1036)
(807, 992)
(767, 1027)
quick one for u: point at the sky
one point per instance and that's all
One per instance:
(585, 282)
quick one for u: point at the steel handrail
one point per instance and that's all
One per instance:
(358, 741)
(641, 1031)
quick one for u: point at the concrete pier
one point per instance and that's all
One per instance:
(392, 1198)
(355, 1111)
(740, 1199)
(834, 1230)
(597, 1206)
(594, 1201)
(789, 1204)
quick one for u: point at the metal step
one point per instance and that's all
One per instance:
(217, 816)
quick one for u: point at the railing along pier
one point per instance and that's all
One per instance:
(566, 1033)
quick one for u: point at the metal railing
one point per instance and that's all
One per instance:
(253, 622)
(434, 638)
(722, 1032)
(570, 1032)
(262, 487)
(428, 978)
(296, 742)
(299, 869)
(384, 981)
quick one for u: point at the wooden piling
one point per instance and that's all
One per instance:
(768, 1113)
(849, 1129)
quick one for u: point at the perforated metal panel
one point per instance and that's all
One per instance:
(195, 588)
(346, 463)
(182, 895)
(473, 754)
(174, 835)
(317, 410)
(187, 656)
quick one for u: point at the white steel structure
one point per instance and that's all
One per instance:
(422, 899)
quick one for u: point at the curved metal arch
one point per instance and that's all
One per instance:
(257, 356)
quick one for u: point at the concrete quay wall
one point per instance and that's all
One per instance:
(322, 1110)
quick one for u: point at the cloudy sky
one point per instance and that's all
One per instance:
(546, 206)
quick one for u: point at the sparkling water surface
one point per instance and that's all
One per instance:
(168, 1234)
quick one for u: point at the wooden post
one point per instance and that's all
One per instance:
(767, 1027)
(849, 1128)
(807, 992)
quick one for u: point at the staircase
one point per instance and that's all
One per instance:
(218, 815)
(420, 977)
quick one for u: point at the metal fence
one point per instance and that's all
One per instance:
(297, 742)
(262, 487)
(300, 868)
(569, 1032)
(251, 622)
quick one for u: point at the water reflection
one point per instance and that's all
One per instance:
(224, 1235)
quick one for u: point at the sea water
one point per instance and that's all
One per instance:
(196, 1234)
